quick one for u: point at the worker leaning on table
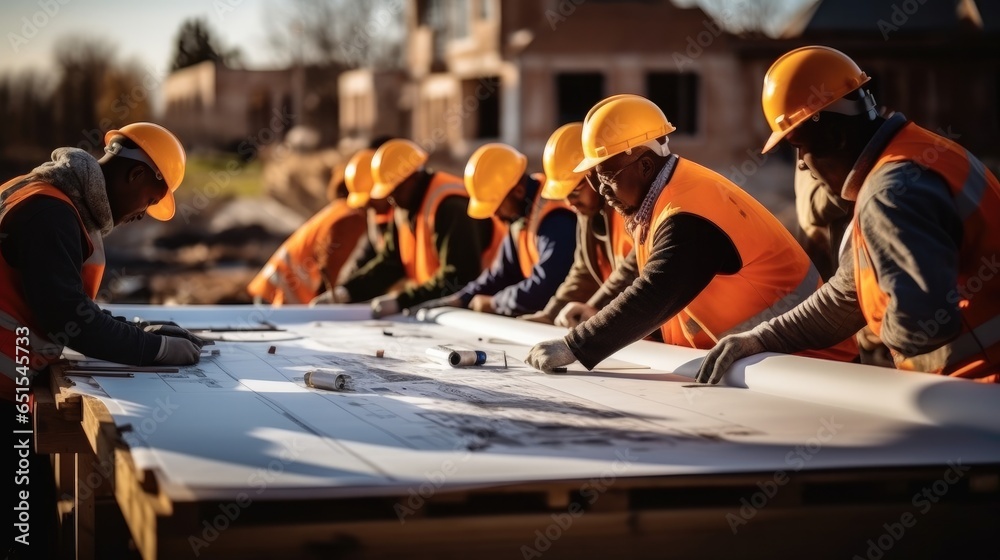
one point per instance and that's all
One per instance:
(432, 242)
(52, 222)
(537, 251)
(922, 269)
(604, 263)
(709, 254)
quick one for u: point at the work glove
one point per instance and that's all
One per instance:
(482, 304)
(447, 301)
(548, 355)
(336, 295)
(385, 305)
(726, 352)
(173, 331)
(574, 313)
(177, 351)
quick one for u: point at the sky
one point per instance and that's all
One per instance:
(145, 32)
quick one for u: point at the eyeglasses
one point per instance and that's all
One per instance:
(609, 178)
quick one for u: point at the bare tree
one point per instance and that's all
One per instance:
(747, 18)
(83, 63)
(344, 32)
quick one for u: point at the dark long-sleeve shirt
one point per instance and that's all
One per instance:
(688, 251)
(460, 242)
(43, 242)
(513, 294)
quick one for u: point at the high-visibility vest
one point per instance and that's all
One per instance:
(775, 277)
(617, 246)
(292, 274)
(15, 315)
(416, 245)
(975, 354)
(527, 238)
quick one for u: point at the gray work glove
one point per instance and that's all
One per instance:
(174, 331)
(574, 313)
(548, 355)
(177, 351)
(385, 305)
(726, 352)
(454, 300)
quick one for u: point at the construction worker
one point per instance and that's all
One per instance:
(708, 253)
(378, 216)
(537, 253)
(52, 224)
(924, 239)
(308, 263)
(604, 263)
(434, 244)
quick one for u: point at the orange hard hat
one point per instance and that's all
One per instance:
(393, 163)
(358, 178)
(492, 172)
(802, 83)
(617, 124)
(159, 149)
(563, 151)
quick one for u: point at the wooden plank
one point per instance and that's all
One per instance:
(83, 508)
(54, 433)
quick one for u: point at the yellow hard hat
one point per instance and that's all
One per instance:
(563, 152)
(159, 149)
(358, 178)
(802, 83)
(393, 162)
(492, 172)
(618, 124)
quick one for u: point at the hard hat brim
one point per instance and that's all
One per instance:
(481, 210)
(381, 190)
(589, 163)
(559, 190)
(164, 209)
(357, 200)
(774, 139)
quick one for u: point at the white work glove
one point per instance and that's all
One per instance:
(173, 331)
(176, 351)
(385, 305)
(336, 295)
(574, 313)
(726, 352)
(447, 301)
(548, 355)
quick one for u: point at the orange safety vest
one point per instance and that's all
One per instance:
(292, 274)
(527, 238)
(618, 246)
(975, 354)
(776, 275)
(416, 245)
(15, 315)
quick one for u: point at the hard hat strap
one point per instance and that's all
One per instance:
(119, 150)
(852, 107)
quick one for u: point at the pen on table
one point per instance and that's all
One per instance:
(91, 373)
(459, 358)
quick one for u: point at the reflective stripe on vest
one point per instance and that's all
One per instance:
(293, 274)
(527, 238)
(776, 274)
(976, 193)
